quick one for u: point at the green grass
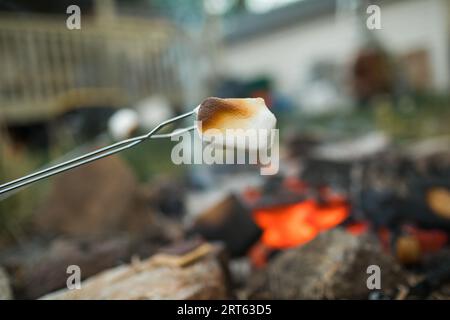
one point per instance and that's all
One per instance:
(407, 119)
(17, 208)
(152, 158)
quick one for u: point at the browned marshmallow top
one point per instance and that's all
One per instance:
(217, 113)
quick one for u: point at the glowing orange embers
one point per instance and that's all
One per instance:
(291, 225)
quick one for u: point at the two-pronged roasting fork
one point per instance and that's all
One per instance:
(95, 155)
(214, 113)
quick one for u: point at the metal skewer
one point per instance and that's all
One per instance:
(95, 155)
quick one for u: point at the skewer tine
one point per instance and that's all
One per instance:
(172, 134)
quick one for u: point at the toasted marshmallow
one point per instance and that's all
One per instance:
(236, 123)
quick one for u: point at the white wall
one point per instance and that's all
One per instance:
(287, 54)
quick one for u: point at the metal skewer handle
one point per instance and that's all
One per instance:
(95, 155)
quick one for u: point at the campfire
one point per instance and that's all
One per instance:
(310, 234)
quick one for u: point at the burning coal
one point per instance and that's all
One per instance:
(291, 225)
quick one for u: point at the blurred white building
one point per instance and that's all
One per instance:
(286, 42)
